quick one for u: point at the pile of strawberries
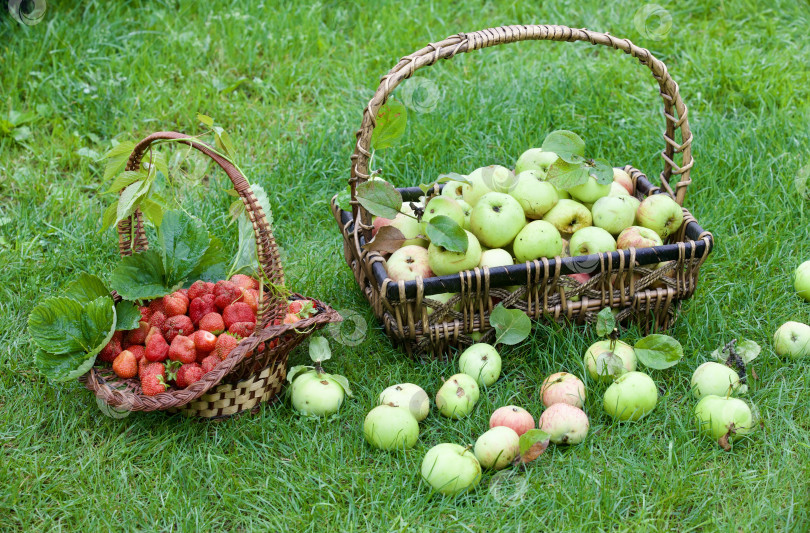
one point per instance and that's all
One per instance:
(184, 335)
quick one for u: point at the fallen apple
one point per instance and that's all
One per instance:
(497, 448)
(390, 428)
(451, 469)
(724, 418)
(792, 339)
(632, 396)
(716, 379)
(482, 362)
(457, 397)
(514, 417)
(407, 396)
(315, 393)
(562, 387)
(565, 423)
(801, 280)
(604, 365)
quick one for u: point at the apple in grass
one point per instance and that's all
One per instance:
(614, 214)
(451, 469)
(801, 280)
(442, 205)
(455, 189)
(591, 240)
(537, 239)
(660, 213)
(564, 423)
(792, 339)
(407, 396)
(623, 179)
(631, 397)
(496, 219)
(535, 195)
(717, 417)
(714, 378)
(442, 261)
(457, 397)
(562, 387)
(590, 191)
(493, 178)
(408, 263)
(638, 237)
(390, 428)
(408, 226)
(569, 216)
(497, 448)
(514, 417)
(482, 362)
(604, 365)
(535, 159)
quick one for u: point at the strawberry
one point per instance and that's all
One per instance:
(246, 282)
(142, 364)
(184, 292)
(177, 325)
(158, 320)
(157, 305)
(125, 365)
(138, 351)
(137, 336)
(212, 322)
(202, 355)
(251, 297)
(175, 304)
(157, 350)
(182, 349)
(209, 363)
(152, 332)
(199, 288)
(146, 313)
(302, 308)
(238, 312)
(188, 374)
(226, 293)
(153, 379)
(294, 306)
(204, 341)
(200, 307)
(242, 329)
(112, 349)
(291, 318)
(225, 345)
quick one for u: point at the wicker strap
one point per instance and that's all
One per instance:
(267, 250)
(674, 109)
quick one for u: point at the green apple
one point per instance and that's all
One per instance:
(442, 205)
(467, 210)
(591, 240)
(496, 219)
(564, 423)
(792, 339)
(457, 397)
(569, 216)
(535, 195)
(562, 387)
(638, 237)
(316, 393)
(497, 448)
(495, 257)
(632, 396)
(562, 194)
(590, 191)
(714, 378)
(717, 417)
(493, 178)
(537, 239)
(408, 226)
(535, 159)
(407, 396)
(443, 297)
(614, 214)
(617, 190)
(801, 280)
(660, 213)
(390, 428)
(482, 362)
(602, 365)
(409, 262)
(443, 262)
(451, 469)
(455, 189)
(622, 178)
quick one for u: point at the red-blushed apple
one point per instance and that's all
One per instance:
(408, 226)
(443, 262)
(442, 205)
(562, 387)
(564, 423)
(801, 280)
(631, 397)
(660, 213)
(714, 378)
(457, 397)
(719, 417)
(535, 195)
(496, 219)
(604, 365)
(581, 278)
(514, 417)
(391, 428)
(614, 214)
(537, 239)
(407, 396)
(591, 240)
(617, 190)
(407, 263)
(623, 178)
(497, 448)
(590, 191)
(638, 237)
(535, 159)
(569, 216)
(792, 339)
(482, 362)
(493, 178)
(451, 469)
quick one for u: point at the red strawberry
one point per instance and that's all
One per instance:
(238, 312)
(294, 306)
(202, 355)
(177, 325)
(175, 304)
(157, 305)
(112, 349)
(153, 379)
(137, 336)
(142, 364)
(246, 282)
(225, 345)
(146, 313)
(198, 289)
(184, 292)
(291, 318)
(302, 308)
(138, 351)
(182, 349)
(152, 332)
(200, 307)
(158, 320)
(212, 322)
(157, 350)
(125, 365)
(242, 329)
(188, 374)
(251, 297)
(204, 341)
(226, 293)
(209, 363)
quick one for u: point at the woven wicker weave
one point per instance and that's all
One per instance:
(627, 280)
(254, 372)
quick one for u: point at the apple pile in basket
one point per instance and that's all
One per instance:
(556, 203)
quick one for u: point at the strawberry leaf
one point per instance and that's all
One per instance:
(213, 265)
(141, 276)
(128, 316)
(444, 231)
(55, 325)
(86, 289)
(183, 241)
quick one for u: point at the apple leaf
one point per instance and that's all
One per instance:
(511, 325)
(565, 175)
(379, 198)
(444, 231)
(319, 349)
(343, 382)
(605, 322)
(388, 240)
(344, 198)
(566, 144)
(748, 350)
(532, 444)
(452, 176)
(602, 171)
(609, 364)
(659, 351)
(295, 371)
(391, 121)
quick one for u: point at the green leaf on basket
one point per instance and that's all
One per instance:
(117, 159)
(109, 216)
(129, 199)
(86, 289)
(379, 198)
(391, 121)
(153, 209)
(602, 171)
(605, 322)
(128, 316)
(319, 350)
(55, 325)
(183, 240)
(659, 351)
(444, 231)
(511, 325)
(125, 179)
(141, 276)
(532, 444)
(565, 175)
(343, 382)
(566, 144)
(205, 119)
(344, 198)
(214, 264)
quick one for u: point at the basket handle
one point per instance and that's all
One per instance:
(675, 111)
(267, 250)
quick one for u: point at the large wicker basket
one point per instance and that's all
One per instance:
(630, 281)
(254, 372)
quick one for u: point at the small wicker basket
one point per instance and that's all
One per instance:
(254, 372)
(645, 285)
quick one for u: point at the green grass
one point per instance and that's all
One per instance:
(98, 71)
